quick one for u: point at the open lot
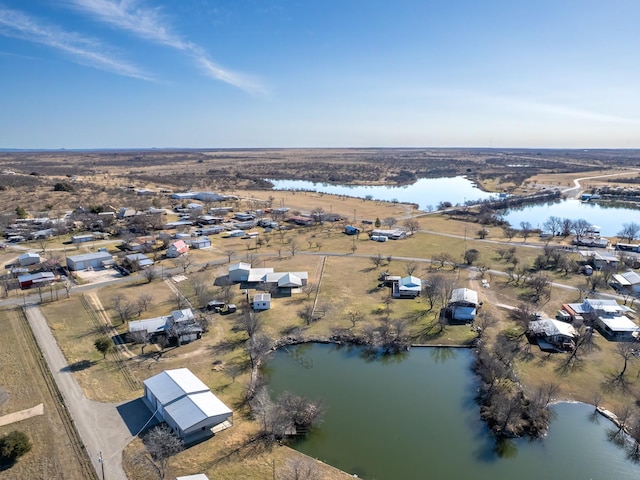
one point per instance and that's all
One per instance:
(24, 382)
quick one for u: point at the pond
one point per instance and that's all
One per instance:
(609, 219)
(426, 192)
(429, 192)
(415, 417)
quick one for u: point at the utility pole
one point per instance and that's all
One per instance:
(101, 462)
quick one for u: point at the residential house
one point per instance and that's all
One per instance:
(82, 238)
(395, 234)
(179, 326)
(137, 260)
(177, 248)
(611, 318)
(463, 305)
(407, 287)
(628, 282)
(186, 404)
(553, 333)
(600, 260)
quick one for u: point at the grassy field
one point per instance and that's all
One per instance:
(346, 280)
(25, 382)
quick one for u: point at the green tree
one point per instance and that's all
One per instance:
(104, 345)
(14, 445)
(471, 256)
(21, 212)
(377, 223)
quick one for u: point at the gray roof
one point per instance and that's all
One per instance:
(464, 295)
(150, 325)
(171, 385)
(90, 256)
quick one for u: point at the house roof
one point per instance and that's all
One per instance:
(258, 274)
(262, 297)
(550, 327)
(150, 325)
(197, 476)
(287, 279)
(90, 256)
(36, 277)
(182, 315)
(171, 385)
(627, 279)
(185, 397)
(619, 323)
(239, 266)
(410, 283)
(142, 259)
(464, 295)
(25, 256)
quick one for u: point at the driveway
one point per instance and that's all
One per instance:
(101, 425)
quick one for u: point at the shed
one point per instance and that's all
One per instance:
(82, 238)
(28, 259)
(262, 301)
(138, 258)
(30, 279)
(86, 260)
(351, 230)
(200, 242)
(239, 272)
(407, 287)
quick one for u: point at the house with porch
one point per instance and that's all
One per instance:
(462, 306)
(613, 320)
(180, 325)
(628, 282)
(553, 334)
(407, 287)
(186, 404)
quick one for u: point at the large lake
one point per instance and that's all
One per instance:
(429, 192)
(416, 418)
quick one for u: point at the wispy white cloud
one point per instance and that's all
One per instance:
(149, 24)
(81, 49)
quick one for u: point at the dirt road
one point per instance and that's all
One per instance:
(101, 427)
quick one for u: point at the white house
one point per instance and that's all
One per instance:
(558, 334)
(262, 301)
(611, 318)
(463, 304)
(180, 325)
(407, 287)
(186, 404)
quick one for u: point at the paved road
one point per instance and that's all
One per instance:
(100, 425)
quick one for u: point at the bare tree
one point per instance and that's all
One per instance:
(140, 337)
(162, 444)
(199, 283)
(443, 258)
(293, 247)
(411, 225)
(525, 230)
(389, 222)
(354, 317)
(306, 313)
(183, 261)
(249, 323)
(540, 286)
(300, 468)
(629, 232)
(309, 289)
(229, 253)
(376, 260)
(149, 274)
(143, 303)
(123, 308)
(411, 267)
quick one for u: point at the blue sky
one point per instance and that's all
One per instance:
(346, 73)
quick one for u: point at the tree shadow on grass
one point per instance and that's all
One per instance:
(79, 366)
(227, 345)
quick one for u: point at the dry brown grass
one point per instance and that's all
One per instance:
(22, 379)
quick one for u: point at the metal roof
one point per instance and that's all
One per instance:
(171, 385)
(90, 256)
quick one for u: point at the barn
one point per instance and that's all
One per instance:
(86, 260)
(186, 404)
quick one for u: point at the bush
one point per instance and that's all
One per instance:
(62, 187)
(14, 445)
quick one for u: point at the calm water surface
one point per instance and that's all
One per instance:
(416, 418)
(429, 192)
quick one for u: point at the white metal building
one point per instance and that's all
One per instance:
(86, 260)
(186, 404)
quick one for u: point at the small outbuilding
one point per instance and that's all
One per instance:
(262, 301)
(30, 279)
(407, 287)
(351, 230)
(28, 259)
(200, 242)
(627, 282)
(186, 404)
